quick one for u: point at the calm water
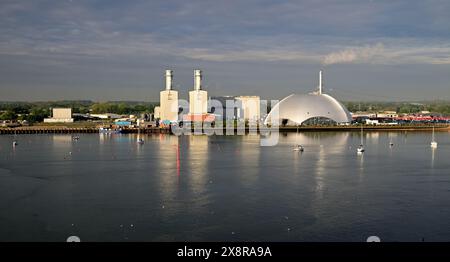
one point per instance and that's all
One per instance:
(225, 188)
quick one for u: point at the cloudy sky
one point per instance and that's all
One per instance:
(118, 50)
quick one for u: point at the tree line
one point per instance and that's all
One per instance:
(437, 107)
(37, 111)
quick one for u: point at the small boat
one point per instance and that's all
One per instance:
(106, 130)
(433, 141)
(140, 141)
(298, 148)
(75, 138)
(15, 141)
(360, 148)
(391, 144)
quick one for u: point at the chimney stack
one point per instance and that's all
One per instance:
(169, 79)
(197, 79)
(320, 82)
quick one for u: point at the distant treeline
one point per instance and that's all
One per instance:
(37, 111)
(436, 107)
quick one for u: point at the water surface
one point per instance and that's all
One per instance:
(225, 188)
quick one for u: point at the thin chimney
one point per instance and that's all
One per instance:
(197, 79)
(320, 82)
(169, 79)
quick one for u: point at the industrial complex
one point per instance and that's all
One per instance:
(317, 108)
(203, 108)
(292, 110)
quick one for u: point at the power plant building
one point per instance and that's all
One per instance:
(295, 109)
(198, 98)
(198, 102)
(168, 109)
(218, 107)
(249, 108)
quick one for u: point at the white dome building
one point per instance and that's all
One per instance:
(297, 108)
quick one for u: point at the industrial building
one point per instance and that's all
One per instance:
(168, 109)
(295, 109)
(198, 98)
(249, 108)
(202, 108)
(60, 115)
(245, 108)
(218, 107)
(157, 112)
(198, 102)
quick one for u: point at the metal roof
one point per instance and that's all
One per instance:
(298, 108)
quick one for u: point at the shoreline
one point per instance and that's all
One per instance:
(440, 127)
(155, 130)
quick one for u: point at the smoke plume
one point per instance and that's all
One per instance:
(354, 55)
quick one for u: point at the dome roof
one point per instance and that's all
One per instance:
(298, 108)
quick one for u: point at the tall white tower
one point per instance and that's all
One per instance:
(320, 83)
(169, 100)
(169, 77)
(198, 98)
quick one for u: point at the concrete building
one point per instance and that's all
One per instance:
(198, 98)
(168, 100)
(250, 108)
(390, 114)
(295, 109)
(60, 115)
(218, 106)
(157, 112)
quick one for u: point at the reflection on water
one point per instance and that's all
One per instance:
(197, 162)
(433, 152)
(249, 153)
(204, 188)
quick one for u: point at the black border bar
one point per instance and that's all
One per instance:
(353, 251)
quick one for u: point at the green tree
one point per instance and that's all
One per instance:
(8, 115)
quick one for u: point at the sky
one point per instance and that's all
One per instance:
(104, 50)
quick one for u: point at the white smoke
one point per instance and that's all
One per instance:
(354, 55)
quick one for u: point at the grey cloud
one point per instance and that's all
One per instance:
(103, 43)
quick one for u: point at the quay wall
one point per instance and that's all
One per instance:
(156, 130)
